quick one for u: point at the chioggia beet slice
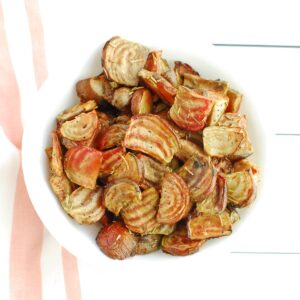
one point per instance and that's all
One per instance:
(190, 109)
(85, 205)
(111, 160)
(215, 202)
(159, 85)
(129, 167)
(151, 135)
(222, 141)
(139, 216)
(181, 68)
(153, 170)
(178, 242)
(174, 199)
(82, 127)
(76, 110)
(241, 188)
(141, 101)
(116, 241)
(82, 165)
(207, 226)
(122, 60)
(112, 136)
(199, 175)
(119, 194)
(155, 63)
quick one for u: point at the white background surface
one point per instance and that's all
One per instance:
(272, 76)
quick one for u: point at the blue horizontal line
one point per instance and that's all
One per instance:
(271, 253)
(257, 46)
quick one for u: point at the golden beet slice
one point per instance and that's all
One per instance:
(76, 110)
(190, 109)
(222, 165)
(196, 82)
(97, 88)
(116, 241)
(111, 159)
(235, 100)
(147, 244)
(121, 193)
(82, 165)
(141, 101)
(151, 135)
(207, 226)
(241, 188)
(174, 199)
(216, 202)
(178, 243)
(122, 60)
(112, 136)
(82, 127)
(199, 176)
(159, 85)
(153, 171)
(84, 205)
(222, 141)
(139, 216)
(130, 167)
(187, 149)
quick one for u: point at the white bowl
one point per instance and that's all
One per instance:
(57, 94)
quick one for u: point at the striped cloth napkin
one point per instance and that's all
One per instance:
(23, 236)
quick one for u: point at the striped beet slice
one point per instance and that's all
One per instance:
(139, 217)
(112, 136)
(85, 205)
(111, 159)
(174, 199)
(199, 175)
(120, 194)
(129, 167)
(82, 165)
(190, 109)
(151, 135)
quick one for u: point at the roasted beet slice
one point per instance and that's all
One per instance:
(151, 135)
(178, 243)
(97, 88)
(119, 194)
(139, 216)
(82, 165)
(174, 199)
(116, 241)
(190, 109)
(84, 205)
(122, 60)
(141, 101)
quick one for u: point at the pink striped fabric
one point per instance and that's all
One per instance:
(27, 229)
